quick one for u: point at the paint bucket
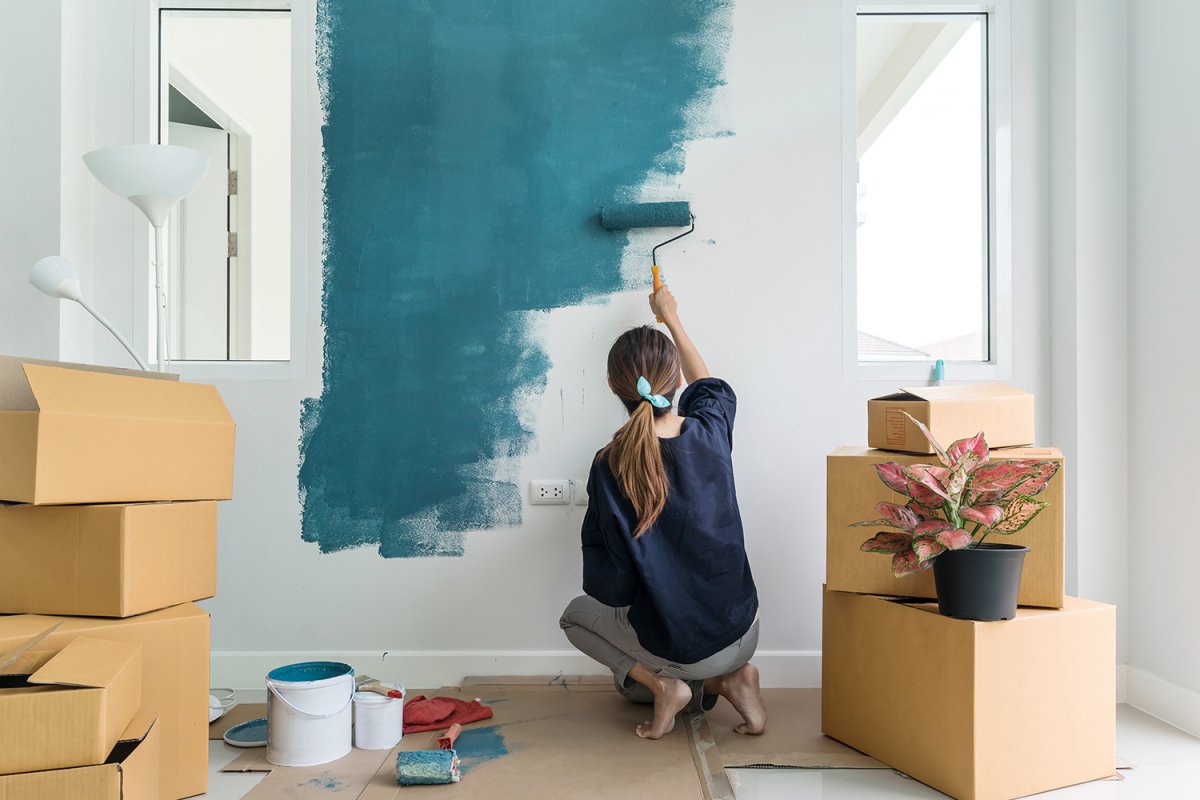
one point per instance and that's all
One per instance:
(378, 721)
(308, 713)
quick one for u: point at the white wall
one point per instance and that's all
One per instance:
(30, 91)
(1164, 283)
(763, 304)
(1088, 331)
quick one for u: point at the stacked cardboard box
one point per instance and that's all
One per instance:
(108, 530)
(978, 710)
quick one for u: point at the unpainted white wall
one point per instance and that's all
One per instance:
(30, 96)
(1163, 285)
(1088, 320)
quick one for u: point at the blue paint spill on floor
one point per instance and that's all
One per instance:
(326, 780)
(468, 146)
(477, 746)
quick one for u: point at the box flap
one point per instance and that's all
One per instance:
(138, 727)
(14, 655)
(15, 394)
(88, 662)
(973, 391)
(74, 391)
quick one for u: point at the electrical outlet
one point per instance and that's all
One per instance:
(579, 491)
(550, 492)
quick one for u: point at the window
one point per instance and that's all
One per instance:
(225, 88)
(923, 180)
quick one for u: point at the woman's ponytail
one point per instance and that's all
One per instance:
(634, 454)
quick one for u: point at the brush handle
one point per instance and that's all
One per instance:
(657, 273)
(446, 742)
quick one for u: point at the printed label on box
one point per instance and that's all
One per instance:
(894, 423)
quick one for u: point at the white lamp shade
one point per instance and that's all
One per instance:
(151, 176)
(55, 276)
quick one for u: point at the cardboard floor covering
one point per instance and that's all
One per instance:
(540, 742)
(549, 735)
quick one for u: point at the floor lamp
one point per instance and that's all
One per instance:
(55, 276)
(154, 177)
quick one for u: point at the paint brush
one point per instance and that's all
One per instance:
(365, 683)
(427, 767)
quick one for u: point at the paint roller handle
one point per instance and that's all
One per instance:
(446, 742)
(657, 273)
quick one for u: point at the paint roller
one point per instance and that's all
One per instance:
(430, 767)
(673, 214)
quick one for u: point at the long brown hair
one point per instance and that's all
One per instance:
(633, 454)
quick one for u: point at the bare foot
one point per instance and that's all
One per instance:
(671, 695)
(741, 689)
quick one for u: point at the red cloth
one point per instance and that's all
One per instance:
(425, 714)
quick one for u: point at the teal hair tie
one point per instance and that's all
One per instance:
(656, 400)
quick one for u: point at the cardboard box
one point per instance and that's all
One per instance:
(71, 711)
(78, 434)
(129, 773)
(175, 660)
(106, 561)
(852, 490)
(978, 710)
(1003, 413)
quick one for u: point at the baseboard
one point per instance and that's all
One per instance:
(246, 670)
(1158, 697)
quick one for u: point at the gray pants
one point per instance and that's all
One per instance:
(604, 633)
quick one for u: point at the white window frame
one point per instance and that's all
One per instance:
(307, 214)
(998, 367)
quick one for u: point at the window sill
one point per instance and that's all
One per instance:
(234, 370)
(921, 372)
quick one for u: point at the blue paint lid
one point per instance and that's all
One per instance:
(310, 671)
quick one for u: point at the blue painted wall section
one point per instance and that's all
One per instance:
(468, 147)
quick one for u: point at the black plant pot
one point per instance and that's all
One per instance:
(980, 582)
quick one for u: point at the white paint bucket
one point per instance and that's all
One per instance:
(378, 721)
(308, 713)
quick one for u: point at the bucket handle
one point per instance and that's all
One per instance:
(309, 714)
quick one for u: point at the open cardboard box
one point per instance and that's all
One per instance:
(71, 711)
(129, 773)
(78, 434)
(1005, 414)
(852, 490)
(175, 662)
(978, 710)
(106, 560)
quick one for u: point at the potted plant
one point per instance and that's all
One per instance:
(974, 580)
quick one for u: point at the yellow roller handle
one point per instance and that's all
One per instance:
(654, 270)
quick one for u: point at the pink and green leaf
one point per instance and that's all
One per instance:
(986, 515)
(954, 539)
(937, 448)
(1038, 478)
(973, 450)
(1003, 476)
(927, 547)
(923, 475)
(892, 515)
(931, 526)
(1018, 512)
(892, 475)
(906, 563)
(925, 512)
(888, 542)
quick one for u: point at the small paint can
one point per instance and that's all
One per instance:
(378, 720)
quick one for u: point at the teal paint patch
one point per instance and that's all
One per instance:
(477, 746)
(468, 148)
(326, 780)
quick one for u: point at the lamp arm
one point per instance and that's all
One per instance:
(100, 318)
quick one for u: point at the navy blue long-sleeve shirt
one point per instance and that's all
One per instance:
(687, 580)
